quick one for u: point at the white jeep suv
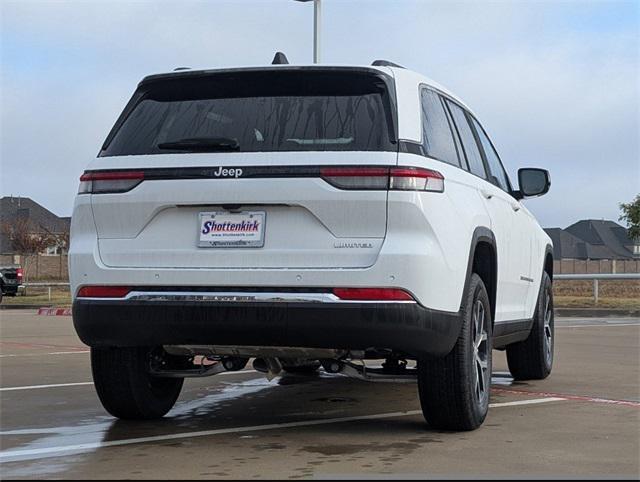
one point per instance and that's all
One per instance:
(307, 217)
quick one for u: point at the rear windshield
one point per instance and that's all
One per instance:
(257, 111)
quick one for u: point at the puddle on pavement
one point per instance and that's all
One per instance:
(105, 428)
(180, 418)
(504, 379)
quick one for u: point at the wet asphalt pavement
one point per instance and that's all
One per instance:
(584, 420)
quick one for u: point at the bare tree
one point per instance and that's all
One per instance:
(59, 240)
(26, 240)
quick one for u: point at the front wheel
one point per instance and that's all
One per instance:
(532, 359)
(454, 390)
(125, 387)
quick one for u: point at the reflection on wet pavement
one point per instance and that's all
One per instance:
(223, 404)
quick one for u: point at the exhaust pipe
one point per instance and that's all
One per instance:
(234, 363)
(270, 366)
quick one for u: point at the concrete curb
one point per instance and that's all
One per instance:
(23, 307)
(596, 312)
(54, 311)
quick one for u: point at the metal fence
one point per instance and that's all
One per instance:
(43, 285)
(596, 278)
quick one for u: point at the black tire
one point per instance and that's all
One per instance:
(532, 359)
(452, 395)
(125, 387)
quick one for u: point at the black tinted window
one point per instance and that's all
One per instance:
(498, 175)
(436, 132)
(257, 111)
(469, 144)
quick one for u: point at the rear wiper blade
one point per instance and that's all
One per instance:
(202, 144)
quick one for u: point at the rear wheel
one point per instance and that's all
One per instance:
(125, 387)
(532, 359)
(454, 390)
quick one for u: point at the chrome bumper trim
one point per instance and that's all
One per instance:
(239, 297)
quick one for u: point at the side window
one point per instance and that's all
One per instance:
(456, 138)
(436, 132)
(474, 158)
(497, 174)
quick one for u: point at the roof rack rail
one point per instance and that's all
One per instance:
(385, 63)
(279, 58)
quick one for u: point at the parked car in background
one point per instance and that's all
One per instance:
(10, 280)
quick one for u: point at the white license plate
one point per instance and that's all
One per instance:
(231, 230)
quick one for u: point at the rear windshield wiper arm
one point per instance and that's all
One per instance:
(202, 144)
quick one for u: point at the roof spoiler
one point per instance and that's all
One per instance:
(385, 63)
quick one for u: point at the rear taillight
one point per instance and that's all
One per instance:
(378, 178)
(19, 274)
(372, 294)
(109, 182)
(415, 179)
(356, 177)
(103, 291)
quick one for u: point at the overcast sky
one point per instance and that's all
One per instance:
(556, 84)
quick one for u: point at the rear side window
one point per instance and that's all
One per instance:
(497, 174)
(469, 144)
(253, 111)
(436, 131)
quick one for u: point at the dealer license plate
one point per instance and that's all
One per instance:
(231, 230)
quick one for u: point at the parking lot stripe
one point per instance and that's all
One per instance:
(58, 385)
(527, 402)
(13, 355)
(600, 325)
(13, 455)
(580, 398)
(36, 387)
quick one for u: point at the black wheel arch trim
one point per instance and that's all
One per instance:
(482, 234)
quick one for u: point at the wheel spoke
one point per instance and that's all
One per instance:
(480, 337)
(548, 329)
(480, 377)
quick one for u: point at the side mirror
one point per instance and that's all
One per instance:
(533, 182)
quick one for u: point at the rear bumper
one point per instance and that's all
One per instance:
(12, 289)
(406, 327)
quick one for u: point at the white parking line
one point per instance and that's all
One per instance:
(44, 354)
(587, 325)
(76, 384)
(12, 455)
(527, 402)
(36, 387)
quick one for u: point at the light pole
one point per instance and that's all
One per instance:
(317, 14)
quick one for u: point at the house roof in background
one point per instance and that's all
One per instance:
(591, 239)
(603, 233)
(43, 220)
